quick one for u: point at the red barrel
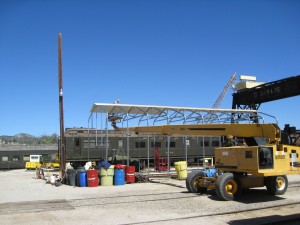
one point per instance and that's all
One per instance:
(130, 174)
(92, 178)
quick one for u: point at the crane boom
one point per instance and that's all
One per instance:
(223, 93)
(269, 131)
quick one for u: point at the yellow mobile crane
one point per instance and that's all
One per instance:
(263, 161)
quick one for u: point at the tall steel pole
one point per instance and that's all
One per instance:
(62, 151)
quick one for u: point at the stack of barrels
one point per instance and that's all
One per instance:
(113, 175)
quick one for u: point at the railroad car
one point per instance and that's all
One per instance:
(84, 145)
(16, 156)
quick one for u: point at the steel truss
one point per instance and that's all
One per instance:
(125, 116)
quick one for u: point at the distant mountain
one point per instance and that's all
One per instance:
(23, 138)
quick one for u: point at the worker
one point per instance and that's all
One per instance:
(229, 141)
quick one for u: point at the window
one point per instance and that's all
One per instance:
(34, 157)
(91, 143)
(140, 144)
(265, 158)
(120, 143)
(215, 143)
(77, 142)
(4, 158)
(155, 144)
(15, 158)
(248, 154)
(206, 143)
(46, 157)
(26, 158)
(172, 144)
(101, 142)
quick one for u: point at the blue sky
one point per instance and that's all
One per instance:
(159, 52)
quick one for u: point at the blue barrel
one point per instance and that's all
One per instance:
(81, 177)
(119, 178)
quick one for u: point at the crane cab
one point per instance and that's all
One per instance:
(266, 160)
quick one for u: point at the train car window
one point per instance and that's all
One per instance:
(15, 158)
(120, 143)
(77, 142)
(206, 143)
(46, 157)
(4, 158)
(140, 144)
(26, 158)
(172, 144)
(215, 143)
(155, 144)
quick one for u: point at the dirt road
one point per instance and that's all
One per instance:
(26, 200)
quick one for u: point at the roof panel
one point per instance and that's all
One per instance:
(184, 115)
(154, 110)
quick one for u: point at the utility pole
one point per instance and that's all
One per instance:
(62, 149)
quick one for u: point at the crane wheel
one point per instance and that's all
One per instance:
(194, 181)
(276, 185)
(228, 187)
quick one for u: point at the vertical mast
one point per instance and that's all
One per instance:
(62, 149)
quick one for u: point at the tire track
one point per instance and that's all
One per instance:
(34, 206)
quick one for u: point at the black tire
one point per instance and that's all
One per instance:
(193, 181)
(188, 180)
(276, 185)
(228, 187)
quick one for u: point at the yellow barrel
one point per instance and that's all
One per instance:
(107, 175)
(107, 181)
(181, 169)
(107, 172)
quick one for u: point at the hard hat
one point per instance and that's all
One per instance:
(229, 136)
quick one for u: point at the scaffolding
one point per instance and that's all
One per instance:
(125, 116)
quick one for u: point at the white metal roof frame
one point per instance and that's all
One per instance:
(170, 115)
(173, 114)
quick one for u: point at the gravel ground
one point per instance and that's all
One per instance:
(27, 200)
